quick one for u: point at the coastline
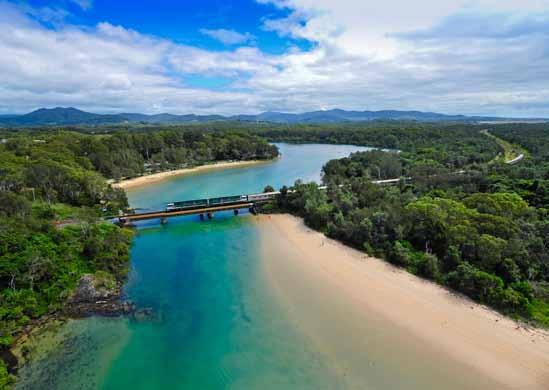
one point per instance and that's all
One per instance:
(160, 176)
(86, 301)
(321, 281)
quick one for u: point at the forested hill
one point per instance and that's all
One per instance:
(61, 116)
(465, 220)
(53, 190)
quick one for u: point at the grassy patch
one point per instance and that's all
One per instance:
(510, 151)
(539, 311)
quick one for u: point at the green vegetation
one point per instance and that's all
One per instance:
(6, 380)
(510, 151)
(131, 154)
(445, 141)
(127, 154)
(53, 193)
(41, 183)
(479, 228)
(530, 178)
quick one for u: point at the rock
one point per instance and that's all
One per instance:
(98, 294)
(146, 314)
(88, 290)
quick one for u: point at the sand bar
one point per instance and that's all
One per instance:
(349, 303)
(156, 177)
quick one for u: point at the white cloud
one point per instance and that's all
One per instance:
(366, 26)
(364, 57)
(481, 56)
(228, 37)
(84, 4)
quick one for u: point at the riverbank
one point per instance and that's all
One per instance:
(96, 295)
(363, 313)
(160, 176)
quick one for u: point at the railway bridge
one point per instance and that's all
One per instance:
(206, 208)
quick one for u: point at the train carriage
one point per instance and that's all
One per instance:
(262, 197)
(227, 200)
(187, 204)
(198, 203)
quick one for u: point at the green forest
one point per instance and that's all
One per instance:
(460, 215)
(53, 193)
(463, 219)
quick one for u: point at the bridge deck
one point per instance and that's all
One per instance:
(250, 202)
(167, 214)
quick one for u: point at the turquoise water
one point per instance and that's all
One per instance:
(213, 324)
(296, 162)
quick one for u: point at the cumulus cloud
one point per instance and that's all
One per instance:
(482, 56)
(366, 27)
(228, 37)
(496, 26)
(105, 69)
(364, 56)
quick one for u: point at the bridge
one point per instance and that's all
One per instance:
(206, 208)
(163, 215)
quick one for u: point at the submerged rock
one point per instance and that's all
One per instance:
(147, 314)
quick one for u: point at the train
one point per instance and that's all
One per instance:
(221, 201)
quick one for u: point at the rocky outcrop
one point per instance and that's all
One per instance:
(98, 294)
(88, 292)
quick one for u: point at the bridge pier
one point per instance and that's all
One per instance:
(201, 216)
(210, 215)
(253, 210)
(163, 220)
(235, 211)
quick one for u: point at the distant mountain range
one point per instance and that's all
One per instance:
(61, 116)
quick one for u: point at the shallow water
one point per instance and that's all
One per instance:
(364, 348)
(214, 323)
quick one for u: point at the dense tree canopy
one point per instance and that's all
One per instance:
(126, 154)
(476, 224)
(465, 219)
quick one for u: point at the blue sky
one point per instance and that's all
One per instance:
(183, 21)
(486, 57)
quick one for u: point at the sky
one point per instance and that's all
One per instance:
(475, 57)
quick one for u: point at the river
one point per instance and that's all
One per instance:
(263, 302)
(214, 322)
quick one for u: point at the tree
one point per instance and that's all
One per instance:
(508, 271)
(427, 226)
(502, 204)
(489, 251)
(477, 284)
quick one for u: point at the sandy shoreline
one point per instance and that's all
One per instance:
(156, 177)
(319, 276)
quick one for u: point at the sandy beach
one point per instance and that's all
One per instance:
(156, 177)
(362, 311)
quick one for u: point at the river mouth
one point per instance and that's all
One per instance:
(227, 306)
